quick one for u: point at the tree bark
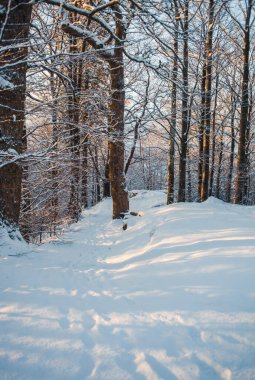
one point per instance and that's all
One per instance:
(208, 86)
(120, 202)
(217, 192)
(132, 152)
(201, 136)
(185, 111)
(74, 145)
(241, 178)
(171, 143)
(84, 172)
(232, 153)
(213, 138)
(106, 184)
(14, 34)
(73, 107)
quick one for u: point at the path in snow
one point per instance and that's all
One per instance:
(172, 298)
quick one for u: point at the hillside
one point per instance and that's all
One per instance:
(172, 297)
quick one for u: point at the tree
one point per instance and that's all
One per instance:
(185, 104)
(115, 60)
(207, 103)
(242, 158)
(171, 144)
(14, 30)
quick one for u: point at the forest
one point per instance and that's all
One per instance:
(127, 189)
(104, 97)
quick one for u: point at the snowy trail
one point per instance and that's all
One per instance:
(172, 298)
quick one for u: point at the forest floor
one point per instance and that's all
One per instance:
(172, 297)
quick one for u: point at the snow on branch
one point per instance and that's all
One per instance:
(11, 156)
(76, 31)
(84, 12)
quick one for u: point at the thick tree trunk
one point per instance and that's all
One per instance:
(14, 31)
(241, 178)
(185, 111)
(208, 86)
(116, 137)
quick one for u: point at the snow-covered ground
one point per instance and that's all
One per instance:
(172, 297)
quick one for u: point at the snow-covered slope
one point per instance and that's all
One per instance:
(172, 297)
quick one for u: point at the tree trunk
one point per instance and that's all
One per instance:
(213, 138)
(185, 111)
(208, 86)
(106, 184)
(200, 136)
(232, 152)
(14, 30)
(74, 144)
(98, 187)
(132, 152)
(217, 192)
(73, 107)
(189, 178)
(171, 143)
(119, 192)
(84, 172)
(241, 178)
(248, 163)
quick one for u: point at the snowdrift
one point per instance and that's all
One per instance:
(172, 297)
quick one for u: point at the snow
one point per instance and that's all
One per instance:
(4, 83)
(172, 297)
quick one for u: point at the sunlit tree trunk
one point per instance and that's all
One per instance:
(116, 130)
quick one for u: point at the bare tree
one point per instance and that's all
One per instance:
(14, 29)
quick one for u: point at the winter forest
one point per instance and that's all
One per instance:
(97, 99)
(127, 189)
